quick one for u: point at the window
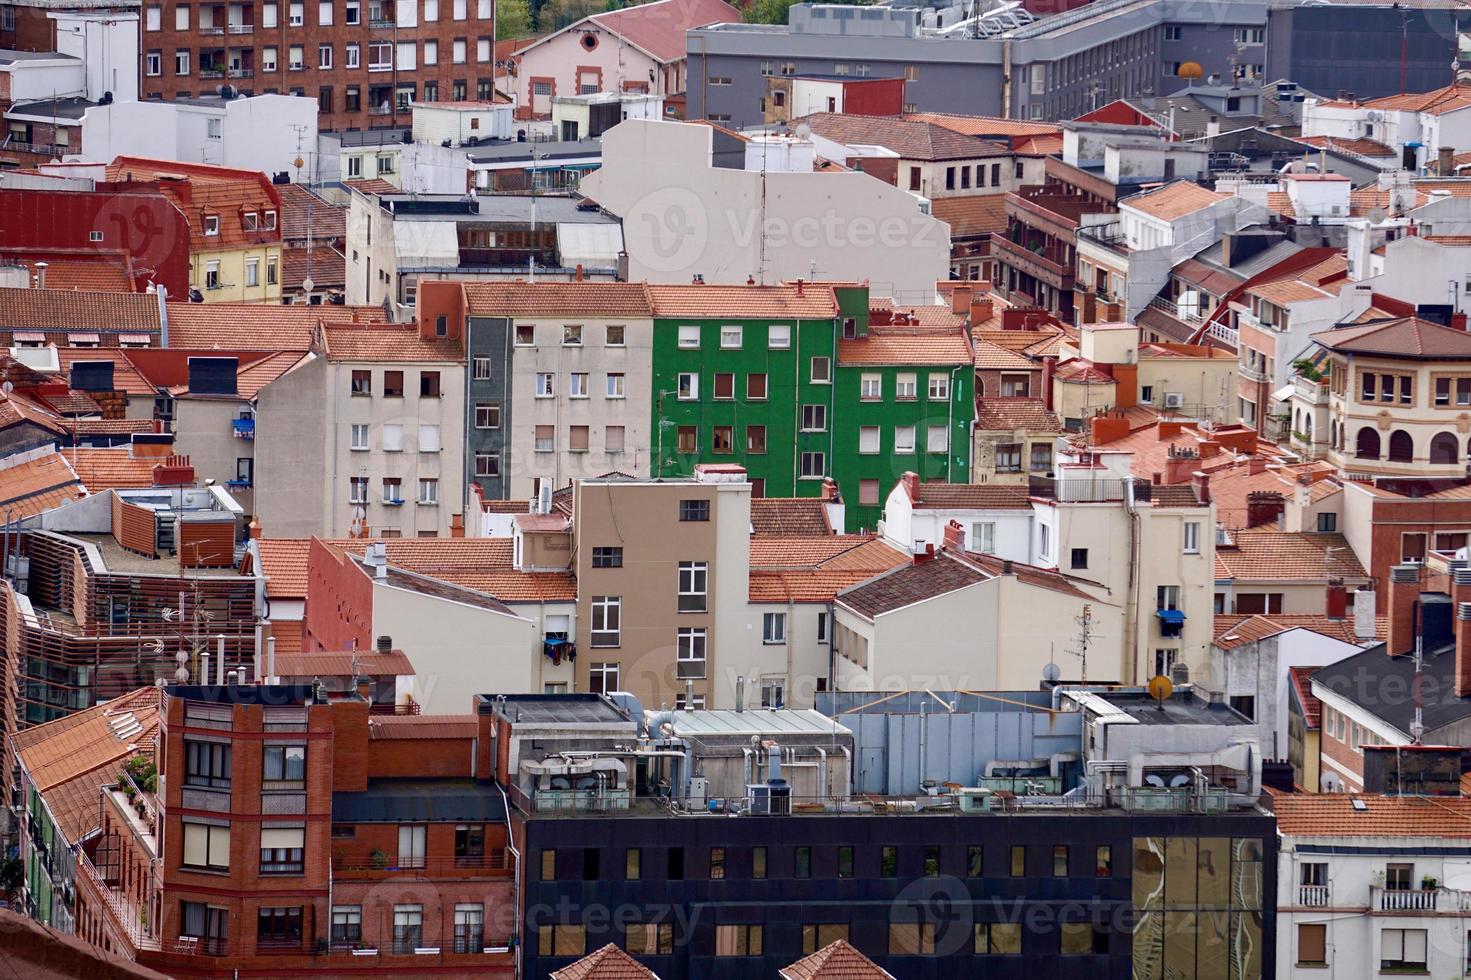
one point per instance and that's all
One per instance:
(756, 439)
(206, 764)
(206, 846)
(939, 387)
(688, 388)
(1167, 597)
(694, 510)
(359, 438)
(181, 17)
(347, 925)
(631, 861)
(1059, 861)
(324, 55)
(870, 387)
(905, 386)
(614, 337)
(525, 335)
(674, 864)
(578, 386)
(690, 653)
(487, 415)
(1041, 457)
(773, 693)
(1080, 558)
(813, 466)
(694, 578)
(817, 936)
(983, 537)
(480, 368)
(686, 439)
(605, 620)
(1192, 538)
(737, 940)
(613, 439)
(717, 863)
(652, 938)
(1083, 939)
(904, 439)
(392, 435)
(613, 386)
(724, 386)
(779, 336)
(393, 384)
(868, 493)
(408, 928)
(283, 767)
(181, 56)
(393, 490)
(868, 439)
(730, 337)
(411, 839)
(689, 337)
(758, 863)
(998, 938)
(756, 387)
(1402, 949)
(889, 861)
(602, 677)
(814, 418)
(282, 850)
(429, 439)
(911, 939)
(1312, 943)
(278, 926)
(428, 491)
(1103, 861)
(607, 557)
(774, 627)
(154, 63)
(487, 465)
(821, 370)
(1397, 877)
(1018, 860)
(937, 439)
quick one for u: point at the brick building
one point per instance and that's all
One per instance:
(363, 61)
(285, 833)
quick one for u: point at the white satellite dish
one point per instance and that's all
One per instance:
(307, 285)
(803, 131)
(1051, 673)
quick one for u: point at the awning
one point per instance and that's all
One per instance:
(421, 244)
(592, 246)
(29, 337)
(82, 338)
(1283, 393)
(1174, 617)
(135, 338)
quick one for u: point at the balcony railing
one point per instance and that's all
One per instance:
(1252, 374)
(200, 798)
(492, 864)
(243, 428)
(1044, 265)
(1081, 489)
(1313, 392)
(126, 917)
(240, 72)
(211, 73)
(1186, 314)
(1223, 332)
(407, 708)
(242, 28)
(212, 31)
(1312, 896)
(1405, 899)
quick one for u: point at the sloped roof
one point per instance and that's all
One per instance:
(125, 376)
(39, 952)
(910, 584)
(1334, 815)
(835, 961)
(811, 301)
(481, 564)
(110, 468)
(324, 265)
(986, 125)
(1173, 200)
(608, 963)
(326, 220)
(386, 342)
(37, 485)
(790, 516)
(1407, 338)
(283, 561)
(1361, 146)
(397, 727)
(659, 27)
(1302, 688)
(1436, 102)
(970, 215)
(554, 299)
(341, 663)
(16, 408)
(256, 326)
(911, 139)
(805, 569)
(994, 357)
(72, 310)
(1232, 630)
(970, 496)
(1278, 556)
(907, 345)
(1007, 414)
(201, 189)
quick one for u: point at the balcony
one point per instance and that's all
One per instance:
(241, 28)
(1252, 374)
(1086, 490)
(492, 864)
(379, 25)
(1402, 899)
(199, 798)
(1185, 314)
(212, 31)
(240, 72)
(1223, 333)
(209, 73)
(1312, 896)
(1310, 391)
(1044, 264)
(243, 428)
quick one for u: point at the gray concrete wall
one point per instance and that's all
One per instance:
(291, 452)
(489, 337)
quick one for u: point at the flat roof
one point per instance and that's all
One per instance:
(553, 709)
(1181, 708)
(420, 800)
(277, 695)
(755, 721)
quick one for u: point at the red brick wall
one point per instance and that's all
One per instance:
(34, 31)
(312, 78)
(425, 758)
(339, 602)
(1394, 518)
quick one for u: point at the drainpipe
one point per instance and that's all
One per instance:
(1006, 79)
(516, 875)
(924, 727)
(163, 315)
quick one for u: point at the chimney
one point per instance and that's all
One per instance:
(1404, 595)
(954, 536)
(800, 286)
(577, 273)
(829, 491)
(1256, 465)
(1202, 484)
(911, 486)
(1365, 628)
(1104, 429)
(1337, 605)
(1461, 593)
(1446, 165)
(1049, 382)
(385, 643)
(981, 311)
(924, 555)
(740, 694)
(1263, 507)
(960, 299)
(457, 525)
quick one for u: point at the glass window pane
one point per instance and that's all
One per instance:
(1149, 872)
(1180, 872)
(1212, 866)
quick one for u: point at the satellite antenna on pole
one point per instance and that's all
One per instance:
(1051, 673)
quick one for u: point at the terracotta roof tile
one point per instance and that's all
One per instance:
(1302, 687)
(90, 427)
(1231, 485)
(125, 376)
(1173, 200)
(73, 310)
(481, 564)
(812, 301)
(1361, 146)
(907, 345)
(911, 139)
(971, 496)
(1083, 371)
(343, 663)
(1334, 815)
(608, 963)
(283, 561)
(386, 342)
(1173, 495)
(993, 357)
(17, 408)
(1267, 555)
(969, 216)
(910, 584)
(1437, 101)
(36, 485)
(1406, 337)
(659, 28)
(422, 726)
(254, 326)
(805, 569)
(73, 403)
(505, 506)
(373, 185)
(201, 189)
(883, 313)
(1011, 414)
(1232, 630)
(986, 125)
(323, 264)
(110, 468)
(555, 299)
(835, 961)
(108, 275)
(327, 221)
(790, 516)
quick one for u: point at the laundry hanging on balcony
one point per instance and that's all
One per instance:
(557, 648)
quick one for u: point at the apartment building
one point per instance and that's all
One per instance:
(650, 602)
(262, 825)
(367, 60)
(907, 384)
(746, 375)
(367, 437)
(234, 226)
(1395, 393)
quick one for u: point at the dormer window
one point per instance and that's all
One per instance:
(211, 224)
(248, 220)
(270, 221)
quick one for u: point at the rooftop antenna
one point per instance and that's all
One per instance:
(1085, 622)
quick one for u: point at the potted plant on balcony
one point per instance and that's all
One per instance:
(1429, 883)
(378, 859)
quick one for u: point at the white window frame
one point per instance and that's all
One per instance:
(691, 646)
(731, 337)
(613, 385)
(689, 337)
(598, 620)
(546, 385)
(428, 491)
(779, 336)
(774, 628)
(358, 435)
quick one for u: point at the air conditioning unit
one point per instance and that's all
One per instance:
(1173, 399)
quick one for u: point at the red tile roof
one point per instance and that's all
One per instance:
(422, 726)
(1406, 337)
(344, 663)
(255, 326)
(386, 342)
(978, 214)
(986, 125)
(608, 963)
(16, 408)
(323, 264)
(326, 220)
(373, 185)
(659, 28)
(36, 485)
(63, 311)
(970, 496)
(1173, 200)
(908, 345)
(835, 961)
(99, 274)
(202, 189)
(481, 564)
(110, 468)
(1012, 414)
(283, 561)
(1302, 688)
(554, 299)
(1269, 555)
(911, 139)
(1335, 815)
(994, 357)
(1361, 146)
(811, 301)
(1232, 630)
(790, 516)
(1436, 102)
(807, 569)
(125, 377)
(910, 584)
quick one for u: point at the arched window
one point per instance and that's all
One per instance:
(1367, 444)
(1333, 434)
(1401, 447)
(1444, 448)
(1307, 425)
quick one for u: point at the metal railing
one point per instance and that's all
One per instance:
(1078, 489)
(241, 28)
(357, 866)
(125, 915)
(1186, 315)
(408, 708)
(241, 72)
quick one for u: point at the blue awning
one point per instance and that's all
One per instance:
(555, 641)
(1172, 616)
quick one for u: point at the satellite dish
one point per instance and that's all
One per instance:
(359, 514)
(1191, 69)
(1160, 688)
(1051, 673)
(7, 387)
(307, 285)
(803, 131)
(1376, 215)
